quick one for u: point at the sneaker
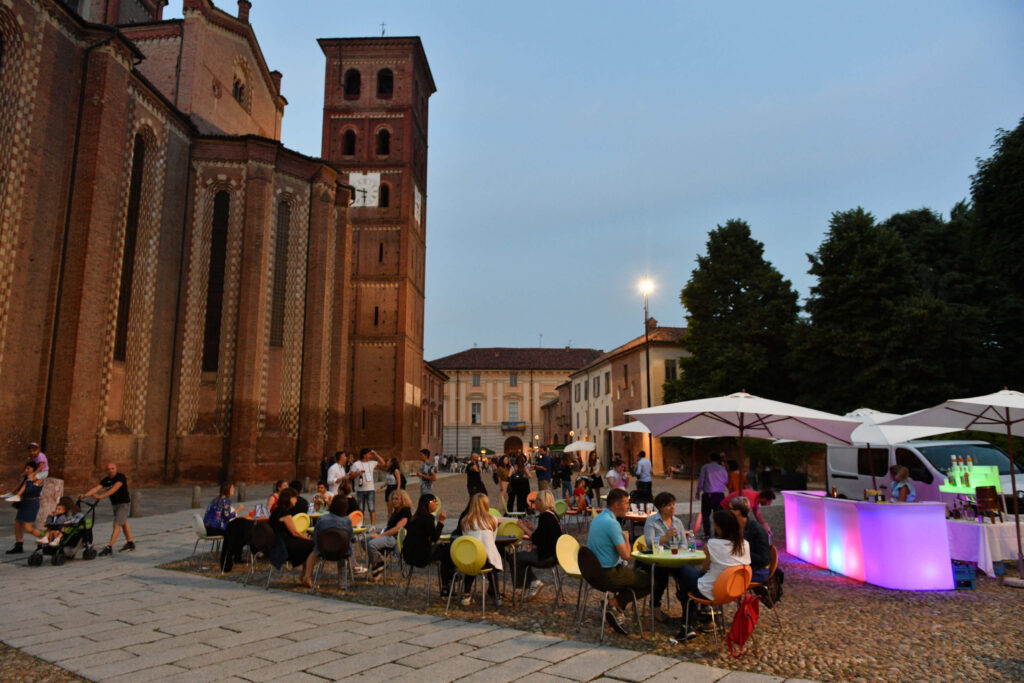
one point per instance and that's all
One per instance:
(533, 589)
(617, 620)
(466, 600)
(107, 551)
(130, 545)
(54, 542)
(685, 633)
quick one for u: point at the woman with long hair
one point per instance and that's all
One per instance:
(423, 532)
(544, 537)
(401, 513)
(479, 524)
(727, 549)
(501, 475)
(593, 473)
(394, 478)
(297, 544)
(279, 485)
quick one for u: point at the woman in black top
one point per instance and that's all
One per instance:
(474, 483)
(544, 538)
(299, 546)
(395, 478)
(388, 539)
(421, 545)
(519, 486)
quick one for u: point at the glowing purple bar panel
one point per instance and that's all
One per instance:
(903, 546)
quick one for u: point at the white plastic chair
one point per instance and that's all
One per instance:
(200, 530)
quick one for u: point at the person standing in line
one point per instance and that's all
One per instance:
(427, 474)
(115, 487)
(711, 484)
(643, 479)
(335, 473)
(362, 472)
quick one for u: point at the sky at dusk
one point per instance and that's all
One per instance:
(577, 146)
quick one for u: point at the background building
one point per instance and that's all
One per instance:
(179, 292)
(604, 389)
(493, 397)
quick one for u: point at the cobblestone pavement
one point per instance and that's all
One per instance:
(121, 618)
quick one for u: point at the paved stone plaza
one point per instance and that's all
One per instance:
(121, 618)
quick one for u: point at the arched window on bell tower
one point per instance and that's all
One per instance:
(384, 198)
(215, 281)
(353, 84)
(383, 142)
(131, 231)
(385, 84)
(348, 143)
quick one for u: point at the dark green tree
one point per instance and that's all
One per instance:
(847, 348)
(741, 314)
(997, 191)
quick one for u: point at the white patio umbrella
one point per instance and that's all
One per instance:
(1001, 412)
(872, 431)
(580, 446)
(741, 415)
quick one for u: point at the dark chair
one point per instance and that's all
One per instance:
(593, 575)
(332, 546)
(262, 544)
(989, 503)
(550, 563)
(410, 567)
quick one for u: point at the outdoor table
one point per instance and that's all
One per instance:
(637, 518)
(506, 546)
(667, 559)
(361, 532)
(981, 544)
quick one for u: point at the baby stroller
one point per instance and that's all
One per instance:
(77, 535)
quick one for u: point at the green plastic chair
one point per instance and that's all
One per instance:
(560, 507)
(469, 557)
(495, 513)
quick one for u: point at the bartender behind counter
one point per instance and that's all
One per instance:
(902, 491)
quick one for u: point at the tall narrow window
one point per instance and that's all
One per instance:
(131, 231)
(384, 197)
(277, 299)
(513, 379)
(385, 83)
(353, 83)
(380, 253)
(383, 142)
(348, 143)
(215, 282)
(376, 315)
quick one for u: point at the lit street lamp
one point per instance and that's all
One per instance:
(646, 287)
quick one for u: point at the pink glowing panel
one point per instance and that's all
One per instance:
(843, 538)
(805, 526)
(906, 546)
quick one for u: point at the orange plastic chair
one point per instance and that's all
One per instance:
(356, 517)
(730, 586)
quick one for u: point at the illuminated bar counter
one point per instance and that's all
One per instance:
(903, 546)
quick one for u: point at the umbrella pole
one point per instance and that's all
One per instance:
(1013, 487)
(871, 463)
(693, 468)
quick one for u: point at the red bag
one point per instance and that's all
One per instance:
(743, 623)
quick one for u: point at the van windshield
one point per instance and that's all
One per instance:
(981, 454)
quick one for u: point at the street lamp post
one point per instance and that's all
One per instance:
(646, 287)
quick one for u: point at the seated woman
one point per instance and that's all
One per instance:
(345, 491)
(479, 524)
(401, 508)
(279, 485)
(219, 512)
(726, 549)
(579, 501)
(665, 529)
(322, 500)
(421, 545)
(336, 518)
(902, 490)
(544, 537)
(299, 546)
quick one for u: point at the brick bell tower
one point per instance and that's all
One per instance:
(375, 129)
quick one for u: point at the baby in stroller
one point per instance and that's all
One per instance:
(65, 513)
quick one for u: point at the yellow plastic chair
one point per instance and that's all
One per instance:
(301, 522)
(560, 508)
(640, 545)
(437, 512)
(469, 557)
(567, 549)
(510, 528)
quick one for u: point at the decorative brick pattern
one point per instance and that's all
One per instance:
(330, 263)
(208, 183)
(19, 76)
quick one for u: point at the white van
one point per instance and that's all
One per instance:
(848, 468)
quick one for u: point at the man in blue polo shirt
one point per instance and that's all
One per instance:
(611, 546)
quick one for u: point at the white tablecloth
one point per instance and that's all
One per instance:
(982, 544)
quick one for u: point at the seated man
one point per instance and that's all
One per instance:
(757, 499)
(665, 529)
(609, 543)
(756, 536)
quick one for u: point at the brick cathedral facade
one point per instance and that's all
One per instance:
(179, 292)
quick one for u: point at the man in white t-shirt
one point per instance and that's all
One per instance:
(335, 473)
(362, 472)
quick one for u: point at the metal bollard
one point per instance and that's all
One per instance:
(196, 493)
(240, 491)
(136, 505)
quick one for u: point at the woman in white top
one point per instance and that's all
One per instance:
(479, 524)
(617, 477)
(726, 549)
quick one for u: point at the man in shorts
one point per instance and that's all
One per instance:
(115, 487)
(361, 472)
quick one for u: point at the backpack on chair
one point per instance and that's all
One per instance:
(747, 614)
